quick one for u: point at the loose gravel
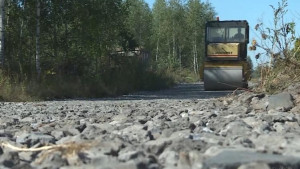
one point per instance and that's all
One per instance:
(154, 131)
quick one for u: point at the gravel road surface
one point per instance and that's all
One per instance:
(183, 127)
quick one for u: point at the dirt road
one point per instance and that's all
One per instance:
(179, 92)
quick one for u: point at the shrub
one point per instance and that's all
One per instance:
(277, 45)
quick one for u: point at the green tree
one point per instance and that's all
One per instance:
(2, 18)
(197, 15)
(178, 32)
(139, 22)
(159, 27)
(37, 42)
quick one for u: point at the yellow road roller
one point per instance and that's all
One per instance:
(225, 66)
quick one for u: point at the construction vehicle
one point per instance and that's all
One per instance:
(225, 66)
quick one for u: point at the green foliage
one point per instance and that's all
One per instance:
(84, 46)
(250, 63)
(113, 82)
(296, 49)
(11, 89)
(184, 76)
(178, 32)
(75, 35)
(139, 21)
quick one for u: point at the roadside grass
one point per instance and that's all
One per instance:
(124, 78)
(282, 75)
(184, 76)
(12, 90)
(109, 84)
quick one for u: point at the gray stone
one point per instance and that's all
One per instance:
(9, 159)
(3, 167)
(273, 142)
(255, 165)
(213, 151)
(274, 116)
(294, 89)
(184, 160)
(68, 139)
(154, 134)
(130, 155)
(29, 119)
(235, 158)
(180, 134)
(296, 109)
(282, 100)
(111, 147)
(70, 130)
(57, 134)
(97, 158)
(157, 146)
(167, 132)
(134, 132)
(239, 110)
(236, 128)
(52, 160)
(129, 165)
(191, 159)
(169, 158)
(211, 138)
(258, 125)
(292, 126)
(33, 138)
(26, 156)
(120, 118)
(22, 166)
(141, 119)
(92, 131)
(259, 104)
(279, 127)
(244, 141)
(247, 97)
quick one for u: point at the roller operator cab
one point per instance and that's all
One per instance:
(225, 66)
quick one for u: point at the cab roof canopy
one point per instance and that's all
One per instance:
(233, 23)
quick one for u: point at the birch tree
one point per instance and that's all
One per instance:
(37, 40)
(178, 27)
(195, 24)
(178, 32)
(2, 17)
(198, 14)
(159, 23)
(138, 22)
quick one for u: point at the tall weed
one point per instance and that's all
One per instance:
(276, 44)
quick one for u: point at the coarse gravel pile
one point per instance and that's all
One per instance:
(243, 131)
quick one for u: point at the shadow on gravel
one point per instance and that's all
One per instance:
(181, 91)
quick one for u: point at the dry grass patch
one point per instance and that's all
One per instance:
(69, 151)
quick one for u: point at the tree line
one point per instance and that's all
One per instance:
(77, 38)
